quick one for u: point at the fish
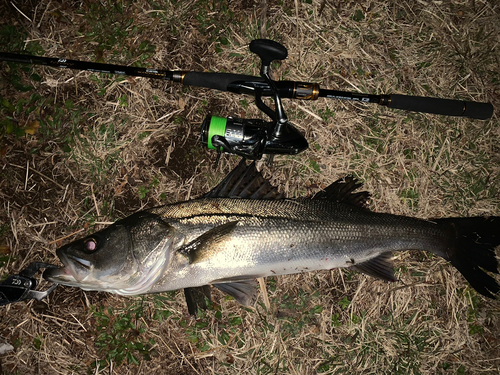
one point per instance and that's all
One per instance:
(244, 229)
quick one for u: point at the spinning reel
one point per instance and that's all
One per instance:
(251, 138)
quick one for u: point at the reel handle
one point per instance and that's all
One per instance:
(268, 50)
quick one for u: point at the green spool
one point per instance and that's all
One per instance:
(217, 127)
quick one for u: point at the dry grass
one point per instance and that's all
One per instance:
(133, 143)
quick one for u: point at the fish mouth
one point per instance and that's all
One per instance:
(68, 274)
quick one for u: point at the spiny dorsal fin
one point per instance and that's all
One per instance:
(342, 191)
(380, 267)
(244, 182)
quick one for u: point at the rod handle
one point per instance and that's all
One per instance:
(448, 107)
(217, 81)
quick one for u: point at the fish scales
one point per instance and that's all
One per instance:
(289, 236)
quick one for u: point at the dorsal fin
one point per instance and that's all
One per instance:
(244, 182)
(342, 191)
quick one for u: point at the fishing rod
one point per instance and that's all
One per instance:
(251, 138)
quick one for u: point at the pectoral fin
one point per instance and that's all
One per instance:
(380, 267)
(207, 244)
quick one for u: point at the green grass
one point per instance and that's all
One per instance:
(13, 39)
(112, 28)
(119, 335)
(5, 255)
(34, 114)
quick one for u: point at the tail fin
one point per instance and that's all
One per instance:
(473, 251)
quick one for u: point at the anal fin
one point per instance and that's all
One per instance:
(380, 267)
(243, 289)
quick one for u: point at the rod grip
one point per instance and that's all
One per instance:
(217, 81)
(448, 107)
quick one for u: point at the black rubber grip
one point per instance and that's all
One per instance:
(448, 107)
(218, 81)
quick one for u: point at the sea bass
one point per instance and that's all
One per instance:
(244, 229)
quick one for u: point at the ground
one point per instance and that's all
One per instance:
(79, 150)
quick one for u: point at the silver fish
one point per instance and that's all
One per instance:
(243, 229)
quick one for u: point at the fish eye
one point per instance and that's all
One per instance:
(90, 244)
